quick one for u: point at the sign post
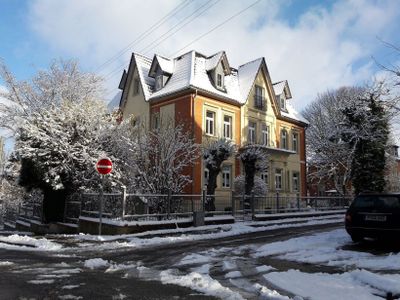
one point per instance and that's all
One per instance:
(104, 167)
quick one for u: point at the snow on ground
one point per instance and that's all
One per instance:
(141, 240)
(325, 248)
(96, 263)
(200, 282)
(23, 242)
(5, 263)
(358, 284)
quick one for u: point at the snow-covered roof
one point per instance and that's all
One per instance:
(279, 88)
(115, 102)
(192, 71)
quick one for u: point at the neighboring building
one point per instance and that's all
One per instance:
(215, 100)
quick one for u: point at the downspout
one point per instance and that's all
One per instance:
(193, 128)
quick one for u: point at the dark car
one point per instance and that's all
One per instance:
(375, 216)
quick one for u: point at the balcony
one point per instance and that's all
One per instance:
(260, 103)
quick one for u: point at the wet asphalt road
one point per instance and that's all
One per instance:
(49, 275)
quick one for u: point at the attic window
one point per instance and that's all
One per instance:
(136, 87)
(159, 82)
(219, 80)
(282, 102)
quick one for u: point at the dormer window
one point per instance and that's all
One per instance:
(282, 103)
(219, 81)
(159, 82)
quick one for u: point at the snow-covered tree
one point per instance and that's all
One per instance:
(260, 188)
(160, 161)
(342, 123)
(366, 130)
(214, 153)
(255, 159)
(58, 124)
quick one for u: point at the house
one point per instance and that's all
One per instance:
(213, 99)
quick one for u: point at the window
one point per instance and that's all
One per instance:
(284, 141)
(210, 122)
(295, 182)
(136, 86)
(159, 82)
(156, 121)
(252, 133)
(219, 80)
(295, 138)
(265, 134)
(206, 176)
(278, 179)
(264, 177)
(259, 101)
(227, 127)
(283, 102)
(226, 176)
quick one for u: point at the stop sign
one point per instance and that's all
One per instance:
(104, 166)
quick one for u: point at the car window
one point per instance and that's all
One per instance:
(377, 201)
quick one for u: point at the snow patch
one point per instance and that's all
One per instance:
(200, 282)
(95, 263)
(41, 281)
(23, 242)
(5, 263)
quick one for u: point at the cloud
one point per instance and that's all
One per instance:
(322, 48)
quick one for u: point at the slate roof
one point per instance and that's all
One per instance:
(191, 71)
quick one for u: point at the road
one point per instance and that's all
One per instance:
(49, 275)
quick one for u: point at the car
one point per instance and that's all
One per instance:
(374, 215)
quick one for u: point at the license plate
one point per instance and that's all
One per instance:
(375, 218)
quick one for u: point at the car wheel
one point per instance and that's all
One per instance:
(356, 237)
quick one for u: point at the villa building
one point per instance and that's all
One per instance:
(213, 100)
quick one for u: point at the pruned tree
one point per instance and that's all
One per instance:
(255, 159)
(214, 154)
(260, 188)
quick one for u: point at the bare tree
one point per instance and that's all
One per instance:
(214, 154)
(254, 159)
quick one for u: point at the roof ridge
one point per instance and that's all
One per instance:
(260, 58)
(142, 56)
(279, 82)
(219, 52)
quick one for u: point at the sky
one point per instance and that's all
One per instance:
(315, 45)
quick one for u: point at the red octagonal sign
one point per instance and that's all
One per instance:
(104, 166)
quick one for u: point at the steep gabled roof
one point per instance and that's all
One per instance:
(247, 74)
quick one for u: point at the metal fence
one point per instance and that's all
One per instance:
(140, 207)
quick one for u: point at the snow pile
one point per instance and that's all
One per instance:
(194, 259)
(23, 242)
(95, 263)
(200, 282)
(358, 284)
(325, 248)
(5, 263)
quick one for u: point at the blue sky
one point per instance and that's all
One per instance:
(316, 45)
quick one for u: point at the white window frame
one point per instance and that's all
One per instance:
(264, 177)
(219, 80)
(295, 141)
(295, 181)
(210, 123)
(282, 103)
(159, 82)
(206, 175)
(226, 176)
(227, 127)
(252, 130)
(265, 134)
(278, 179)
(284, 139)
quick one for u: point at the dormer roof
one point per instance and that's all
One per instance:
(213, 61)
(165, 64)
(281, 87)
